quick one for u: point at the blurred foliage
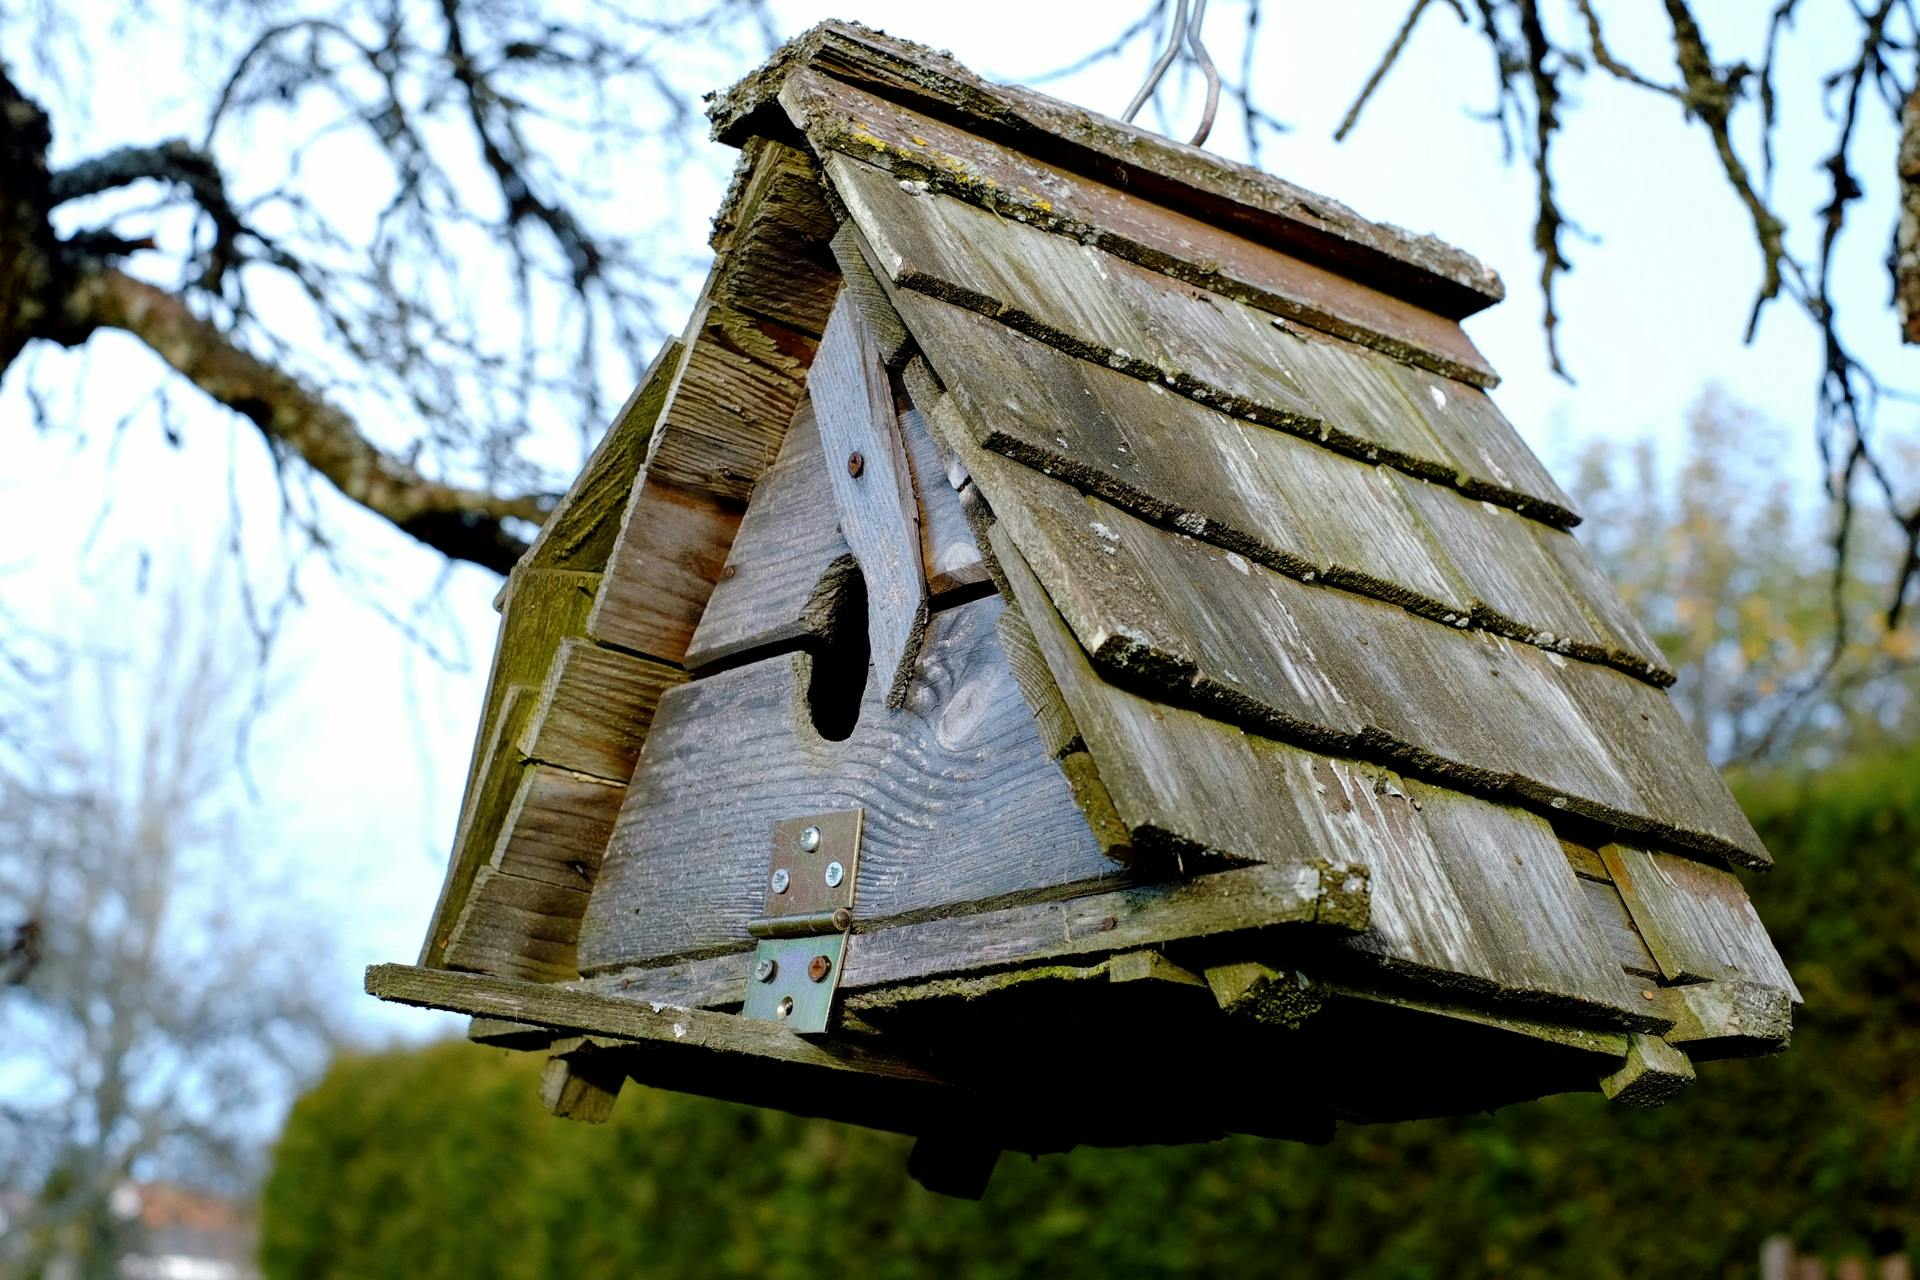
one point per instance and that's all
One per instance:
(1778, 658)
(440, 1162)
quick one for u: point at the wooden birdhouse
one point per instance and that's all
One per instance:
(1065, 650)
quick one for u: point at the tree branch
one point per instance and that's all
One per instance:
(465, 524)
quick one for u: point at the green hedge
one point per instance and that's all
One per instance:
(439, 1162)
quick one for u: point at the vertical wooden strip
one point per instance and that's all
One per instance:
(1697, 920)
(873, 489)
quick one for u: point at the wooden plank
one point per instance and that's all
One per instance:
(1616, 927)
(673, 545)
(1493, 460)
(582, 1079)
(870, 296)
(749, 343)
(558, 827)
(1517, 915)
(1697, 920)
(1687, 807)
(1340, 672)
(1478, 894)
(873, 490)
(1653, 1072)
(514, 927)
(948, 552)
(1202, 345)
(502, 1034)
(962, 803)
(487, 804)
(1625, 635)
(768, 595)
(1728, 1019)
(1129, 155)
(1517, 590)
(1286, 503)
(711, 1038)
(1058, 733)
(1221, 907)
(933, 155)
(1585, 861)
(595, 709)
(581, 531)
(773, 239)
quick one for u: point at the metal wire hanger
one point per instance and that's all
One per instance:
(1183, 32)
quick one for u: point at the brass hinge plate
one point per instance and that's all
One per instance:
(811, 884)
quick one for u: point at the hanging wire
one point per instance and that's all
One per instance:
(1183, 31)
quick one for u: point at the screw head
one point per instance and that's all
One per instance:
(781, 879)
(785, 1008)
(764, 971)
(835, 874)
(856, 463)
(809, 839)
(818, 968)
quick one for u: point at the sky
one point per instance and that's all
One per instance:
(355, 788)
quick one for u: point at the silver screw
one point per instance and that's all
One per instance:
(781, 879)
(765, 970)
(835, 874)
(809, 839)
(785, 1008)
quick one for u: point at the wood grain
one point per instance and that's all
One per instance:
(948, 552)
(773, 236)
(1339, 672)
(789, 539)
(1697, 920)
(673, 545)
(1131, 156)
(595, 709)
(962, 803)
(1204, 346)
(1472, 895)
(539, 608)
(918, 149)
(1282, 502)
(581, 531)
(515, 927)
(712, 1038)
(872, 487)
(1220, 907)
(558, 827)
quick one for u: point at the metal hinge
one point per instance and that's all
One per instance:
(803, 932)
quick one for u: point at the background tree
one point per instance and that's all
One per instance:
(157, 1015)
(1737, 582)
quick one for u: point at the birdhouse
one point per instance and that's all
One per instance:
(1065, 650)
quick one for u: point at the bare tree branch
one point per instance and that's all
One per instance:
(466, 524)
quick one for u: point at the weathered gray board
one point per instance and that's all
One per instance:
(1336, 671)
(963, 804)
(1105, 208)
(872, 487)
(1475, 896)
(770, 593)
(1286, 502)
(1193, 342)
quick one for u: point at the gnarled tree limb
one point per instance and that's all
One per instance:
(466, 524)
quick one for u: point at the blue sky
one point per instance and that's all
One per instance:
(359, 777)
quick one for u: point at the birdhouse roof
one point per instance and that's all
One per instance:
(1273, 563)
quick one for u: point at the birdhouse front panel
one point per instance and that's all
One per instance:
(1068, 615)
